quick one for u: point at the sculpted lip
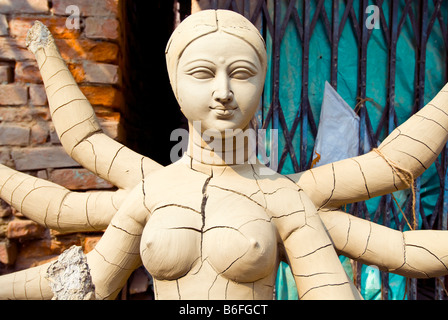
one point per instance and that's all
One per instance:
(223, 112)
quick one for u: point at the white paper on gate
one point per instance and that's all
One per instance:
(338, 131)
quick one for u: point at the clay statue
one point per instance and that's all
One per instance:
(209, 226)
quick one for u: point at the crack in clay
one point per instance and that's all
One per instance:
(323, 286)
(77, 124)
(87, 211)
(238, 193)
(366, 248)
(421, 142)
(431, 253)
(415, 158)
(175, 205)
(432, 120)
(56, 73)
(125, 231)
(35, 189)
(203, 204)
(113, 264)
(66, 104)
(143, 184)
(313, 274)
(334, 187)
(348, 232)
(364, 178)
(60, 208)
(113, 160)
(63, 87)
(314, 251)
(436, 107)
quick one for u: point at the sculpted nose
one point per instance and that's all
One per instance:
(223, 96)
(222, 93)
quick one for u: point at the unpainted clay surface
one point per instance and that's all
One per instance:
(208, 226)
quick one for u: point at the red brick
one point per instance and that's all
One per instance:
(13, 94)
(77, 71)
(86, 49)
(78, 179)
(3, 25)
(14, 135)
(101, 73)
(5, 209)
(110, 127)
(27, 71)
(5, 157)
(5, 74)
(90, 243)
(40, 133)
(23, 114)
(25, 229)
(8, 252)
(23, 6)
(104, 96)
(19, 27)
(38, 96)
(102, 28)
(37, 252)
(87, 7)
(12, 49)
(42, 158)
(91, 72)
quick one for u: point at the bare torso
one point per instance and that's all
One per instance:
(211, 231)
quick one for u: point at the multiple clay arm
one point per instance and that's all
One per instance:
(414, 254)
(75, 120)
(57, 207)
(406, 153)
(83, 139)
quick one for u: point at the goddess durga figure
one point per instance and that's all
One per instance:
(206, 226)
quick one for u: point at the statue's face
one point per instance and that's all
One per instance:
(219, 82)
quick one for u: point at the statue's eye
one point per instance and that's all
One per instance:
(202, 73)
(242, 73)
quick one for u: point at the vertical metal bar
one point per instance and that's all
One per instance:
(334, 45)
(362, 34)
(276, 70)
(419, 99)
(421, 61)
(390, 109)
(362, 72)
(305, 79)
(444, 214)
(246, 8)
(444, 209)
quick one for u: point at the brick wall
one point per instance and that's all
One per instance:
(28, 141)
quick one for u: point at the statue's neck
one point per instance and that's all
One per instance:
(219, 149)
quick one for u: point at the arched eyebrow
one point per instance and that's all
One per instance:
(198, 60)
(253, 65)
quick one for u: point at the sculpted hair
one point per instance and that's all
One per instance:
(209, 21)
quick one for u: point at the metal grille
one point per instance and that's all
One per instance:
(422, 18)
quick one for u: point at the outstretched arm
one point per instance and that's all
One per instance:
(405, 154)
(111, 262)
(56, 207)
(414, 254)
(75, 120)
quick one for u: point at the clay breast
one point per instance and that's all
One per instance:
(199, 218)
